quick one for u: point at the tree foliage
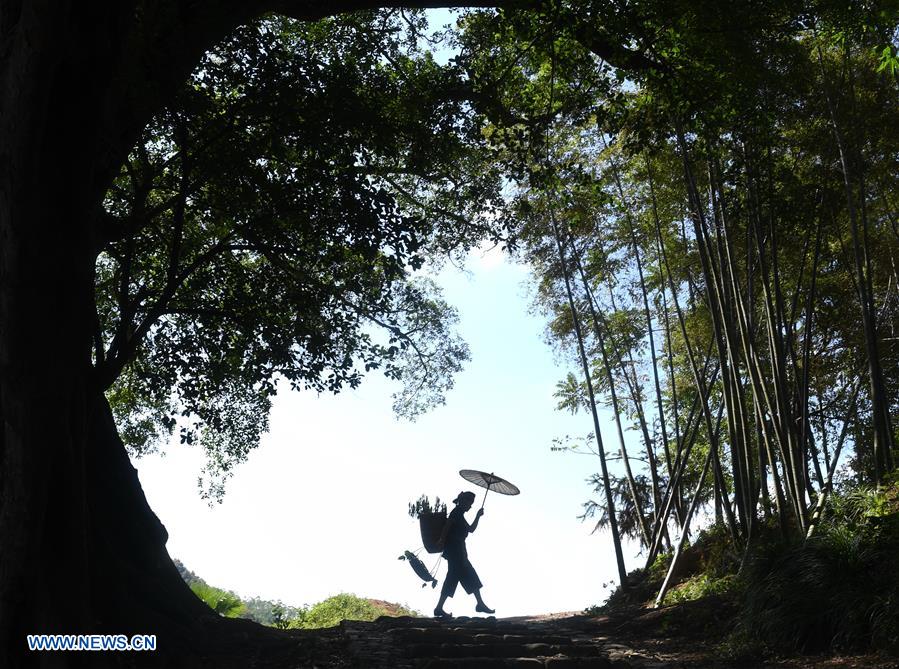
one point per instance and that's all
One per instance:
(710, 218)
(243, 250)
(704, 193)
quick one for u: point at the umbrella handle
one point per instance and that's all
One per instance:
(485, 498)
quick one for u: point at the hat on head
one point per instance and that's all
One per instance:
(463, 495)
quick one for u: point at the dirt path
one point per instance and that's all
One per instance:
(677, 637)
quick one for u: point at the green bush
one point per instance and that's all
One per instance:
(333, 610)
(714, 550)
(328, 613)
(700, 585)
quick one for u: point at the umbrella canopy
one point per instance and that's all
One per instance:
(490, 481)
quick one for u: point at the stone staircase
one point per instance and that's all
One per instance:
(570, 642)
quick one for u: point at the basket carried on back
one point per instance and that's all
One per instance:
(432, 524)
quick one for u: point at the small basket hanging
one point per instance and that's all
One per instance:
(420, 569)
(432, 524)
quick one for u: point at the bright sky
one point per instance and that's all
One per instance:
(321, 506)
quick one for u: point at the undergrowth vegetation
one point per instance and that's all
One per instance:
(839, 589)
(836, 591)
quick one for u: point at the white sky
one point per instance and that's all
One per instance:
(321, 506)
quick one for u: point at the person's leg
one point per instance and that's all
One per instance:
(472, 584)
(481, 607)
(448, 590)
(439, 612)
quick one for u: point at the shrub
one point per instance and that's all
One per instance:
(700, 585)
(338, 608)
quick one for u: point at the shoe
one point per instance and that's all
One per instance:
(440, 613)
(482, 608)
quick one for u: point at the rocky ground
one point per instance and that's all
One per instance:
(686, 635)
(559, 641)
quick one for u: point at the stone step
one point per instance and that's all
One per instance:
(467, 629)
(413, 635)
(514, 663)
(507, 650)
(480, 663)
(578, 663)
(488, 643)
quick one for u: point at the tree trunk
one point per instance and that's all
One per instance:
(883, 433)
(827, 486)
(635, 246)
(610, 501)
(82, 551)
(669, 350)
(610, 379)
(713, 292)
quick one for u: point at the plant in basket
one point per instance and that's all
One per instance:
(431, 519)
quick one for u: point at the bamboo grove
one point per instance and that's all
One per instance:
(715, 241)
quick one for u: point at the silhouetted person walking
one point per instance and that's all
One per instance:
(459, 569)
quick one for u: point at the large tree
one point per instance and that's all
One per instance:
(134, 258)
(188, 213)
(111, 213)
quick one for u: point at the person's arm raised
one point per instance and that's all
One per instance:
(477, 518)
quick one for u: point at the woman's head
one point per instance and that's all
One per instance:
(464, 499)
